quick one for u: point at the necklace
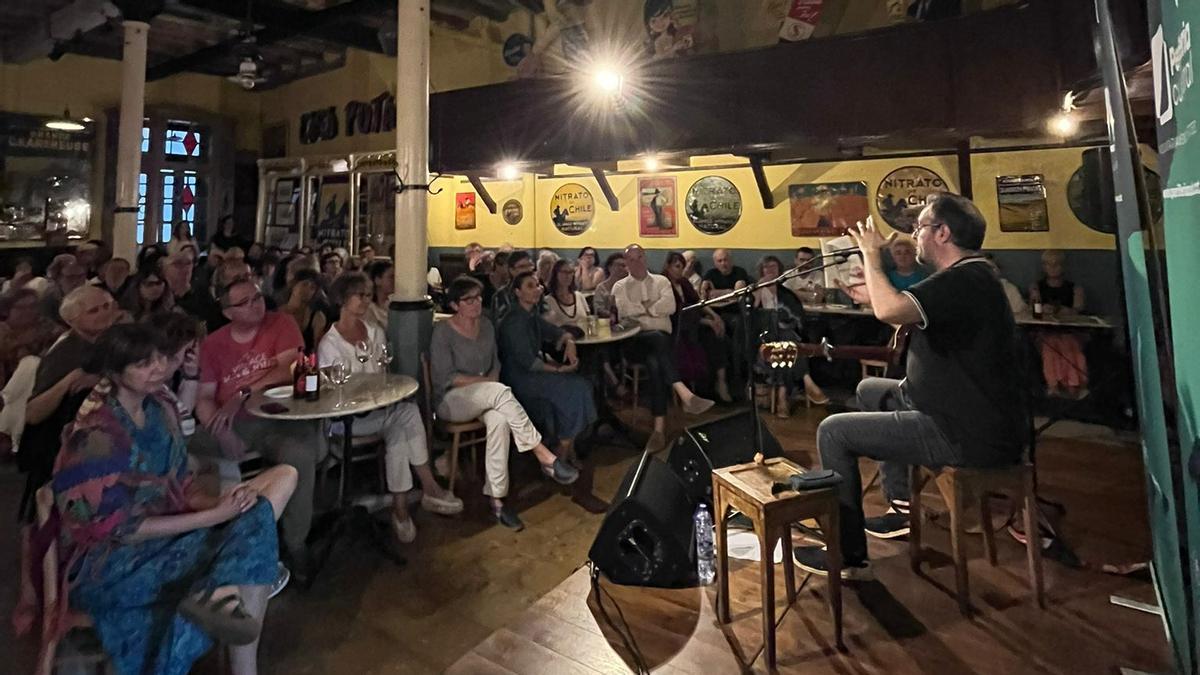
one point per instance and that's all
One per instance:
(574, 307)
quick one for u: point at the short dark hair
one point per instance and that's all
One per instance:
(330, 256)
(175, 331)
(612, 258)
(673, 256)
(520, 279)
(306, 274)
(552, 285)
(808, 250)
(517, 256)
(966, 224)
(347, 284)
(500, 259)
(462, 285)
(223, 291)
(122, 346)
(378, 268)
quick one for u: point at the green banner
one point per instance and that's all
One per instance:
(1177, 109)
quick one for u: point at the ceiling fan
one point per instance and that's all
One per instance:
(250, 72)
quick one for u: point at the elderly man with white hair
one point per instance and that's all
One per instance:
(61, 383)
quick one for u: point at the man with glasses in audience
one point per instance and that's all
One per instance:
(255, 351)
(504, 298)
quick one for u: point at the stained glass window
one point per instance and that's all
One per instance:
(178, 201)
(183, 142)
(145, 139)
(143, 183)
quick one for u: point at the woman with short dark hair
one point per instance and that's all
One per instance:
(383, 284)
(148, 295)
(162, 569)
(588, 272)
(301, 293)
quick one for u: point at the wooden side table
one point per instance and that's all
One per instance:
(747, 488)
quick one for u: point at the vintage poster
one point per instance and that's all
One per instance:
(903, 191)
(670, 27)
(848, 273)
(464, 211)
(714, 205)
(572, 209)
(827, 209)
(801, 20)
(1022, 201)
(656, 207)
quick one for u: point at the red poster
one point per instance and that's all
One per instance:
(464, 211)
(801, 20)
(656, 207)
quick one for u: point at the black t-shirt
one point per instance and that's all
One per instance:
(727, 282)
(962, 362)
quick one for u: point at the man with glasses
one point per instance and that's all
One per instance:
(958, 403)
(255, 351)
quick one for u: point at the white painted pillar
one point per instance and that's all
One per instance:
(410, 321)
(412, 147)
(129, 138)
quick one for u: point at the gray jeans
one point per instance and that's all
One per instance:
(888, 431)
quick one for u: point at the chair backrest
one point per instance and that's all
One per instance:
(427, 395)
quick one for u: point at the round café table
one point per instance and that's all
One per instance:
(604, 413)
(614, 336)
(363, 393)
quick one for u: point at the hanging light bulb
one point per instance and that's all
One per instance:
(1065, 122)
(65, 123)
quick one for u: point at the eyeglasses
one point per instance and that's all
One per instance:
(917, 229)
(471, 298)
(257, 297)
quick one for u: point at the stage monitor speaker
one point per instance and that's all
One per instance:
(712, 445)
(646, 538)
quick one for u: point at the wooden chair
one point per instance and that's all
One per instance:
(462, 434)
(357, 444)
(961, 487)
(873, 368)
(81, 643)
(634, 373)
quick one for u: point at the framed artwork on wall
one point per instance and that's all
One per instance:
(464, 211)
(656, 207)
(1022, 201)
(827, 209)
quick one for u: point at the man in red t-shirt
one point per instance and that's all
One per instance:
(253, 352)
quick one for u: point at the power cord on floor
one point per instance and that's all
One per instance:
(624, 631)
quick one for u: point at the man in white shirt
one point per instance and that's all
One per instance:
(649, 300)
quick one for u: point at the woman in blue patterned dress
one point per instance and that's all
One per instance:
(161, 568)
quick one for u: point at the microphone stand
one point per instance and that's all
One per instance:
(745, 299)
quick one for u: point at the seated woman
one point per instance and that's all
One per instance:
(699, 335)
(588, 273)
(556, 398)
(24, 331)
(147, 295)
(782, 323)
(400, 424)
(301, 305)
(162, 569)
(1063, 363)
(906, 272)
(615, 269)
(565, 306)
(465, 374)
(383, 284)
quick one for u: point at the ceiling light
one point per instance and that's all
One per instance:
(609, 81)
(1065, 122)
(65, 123)
(652, 164)
(508, 171)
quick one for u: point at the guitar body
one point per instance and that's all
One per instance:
(784, 354)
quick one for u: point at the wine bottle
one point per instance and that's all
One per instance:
(312, 385)
(300, 375)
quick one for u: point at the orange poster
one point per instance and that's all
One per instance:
(464, 211)
(656, 207)
(827, 209)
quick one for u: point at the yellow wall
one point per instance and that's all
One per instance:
(760, 228)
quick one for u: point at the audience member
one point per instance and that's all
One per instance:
(266, 271)
(366, 252)
(255, 351)
(497, 277)
(649, 300)
(1063, 363)
(692, 270)
(721, 279)
(809, 287)
(472, 253)
(24, 332)
(65, 274)
(400, 424)
(699, 334)
(23, 277)
(781, 323)
(91, 254)
(254, 255)
(545, 265)
(148, 296)
(465, 374)
(383, 284)
(1015, 302)
(114, 277)
(227, 235)
(906, 272)
(565, 306)
(588, 273)
(519, 262)
(301, 307)
(177, 270)
(556, 398)
(148, 553)
(331, 268)
(615, 270)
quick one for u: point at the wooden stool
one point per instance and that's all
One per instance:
(747, 488)
(959, 486)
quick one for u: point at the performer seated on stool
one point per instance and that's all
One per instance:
(958, 404)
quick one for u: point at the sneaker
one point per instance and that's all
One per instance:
(811, 559)
(508, 518)
(406, 532)
(447, 505)
(888, 526)
(282, 576)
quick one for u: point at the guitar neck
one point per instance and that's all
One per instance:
(883, 353)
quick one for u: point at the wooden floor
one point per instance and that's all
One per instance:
(477, 598)
(899, 623)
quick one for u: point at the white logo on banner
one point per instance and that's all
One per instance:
(1173, 73)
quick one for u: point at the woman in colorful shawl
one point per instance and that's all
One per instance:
(161, 568)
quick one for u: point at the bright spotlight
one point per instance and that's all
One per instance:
(652, 164)
(609, 81)
(508, 172)
(1064, 124)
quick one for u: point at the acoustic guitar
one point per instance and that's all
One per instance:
(784, 353)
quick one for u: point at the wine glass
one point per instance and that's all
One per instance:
(362, 351)
(383, 356)
(339, 374)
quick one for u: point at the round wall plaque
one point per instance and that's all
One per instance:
(572, 208)
(903, 188)
(1083, 196)
(512, 211)
(714, 205)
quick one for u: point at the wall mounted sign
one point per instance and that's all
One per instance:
(801, 20)
(464, 211)
(572, 208)
(45, 180)
(362, 117)
(670, 27)
(903, 188)
(656, 207)
(714, 205)
(1022, 201)
(827, 209)
(512, 211)
(1084, 196)
(516, 48)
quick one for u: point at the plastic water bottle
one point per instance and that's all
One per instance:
(706, 569)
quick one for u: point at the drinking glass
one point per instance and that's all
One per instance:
(383, 356)
(362, 351)
(339, 374)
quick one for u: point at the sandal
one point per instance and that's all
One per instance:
(224, 620)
